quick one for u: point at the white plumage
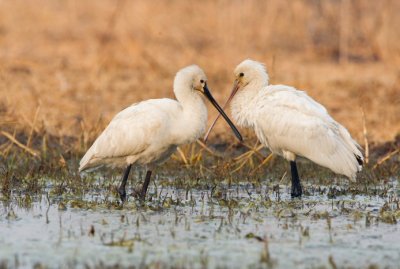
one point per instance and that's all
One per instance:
(290, 123)
(148, 132)
(140, 134)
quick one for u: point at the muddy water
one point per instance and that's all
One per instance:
(237, 228)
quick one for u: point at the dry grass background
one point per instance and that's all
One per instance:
(66, 67)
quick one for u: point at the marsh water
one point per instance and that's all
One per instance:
(236, 226)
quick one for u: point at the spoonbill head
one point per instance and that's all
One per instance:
(250, 71)
(148, 132)
(290, 124)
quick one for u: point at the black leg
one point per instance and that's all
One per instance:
(121, 189)
(145, 186)
(296, 186)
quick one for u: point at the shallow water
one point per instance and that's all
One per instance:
(239, 227)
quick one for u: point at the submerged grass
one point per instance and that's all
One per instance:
(195, 166)
(214, 217)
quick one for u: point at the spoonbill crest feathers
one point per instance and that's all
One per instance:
(252, 71)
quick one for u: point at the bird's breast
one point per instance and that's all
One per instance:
(190, 127)
(242, 111)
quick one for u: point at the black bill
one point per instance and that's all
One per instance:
(233, 92)
(221, 111)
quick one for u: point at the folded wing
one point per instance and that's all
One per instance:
(132, 132)
(290, 120)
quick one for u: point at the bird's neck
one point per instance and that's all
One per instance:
(194, 117)
(242, 104)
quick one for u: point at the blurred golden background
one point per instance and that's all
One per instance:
(66, 67)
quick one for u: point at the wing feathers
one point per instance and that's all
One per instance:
(131, 132)
(289, 120)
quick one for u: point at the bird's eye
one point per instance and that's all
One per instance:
(241, 74)
(201, 81)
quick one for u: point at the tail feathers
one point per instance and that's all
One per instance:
(89, 167)
(85, 162)
(354, 147)
(82, 167)
(358, 155)
(359, 159)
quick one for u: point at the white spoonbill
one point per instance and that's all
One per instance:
(290, 123)
(148, 132)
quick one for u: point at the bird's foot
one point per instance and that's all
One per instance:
(296, 191)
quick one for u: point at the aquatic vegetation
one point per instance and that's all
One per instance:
(197, 214)
(237, 226)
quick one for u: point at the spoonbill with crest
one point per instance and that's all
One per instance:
(148, 132)
(290, 123)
